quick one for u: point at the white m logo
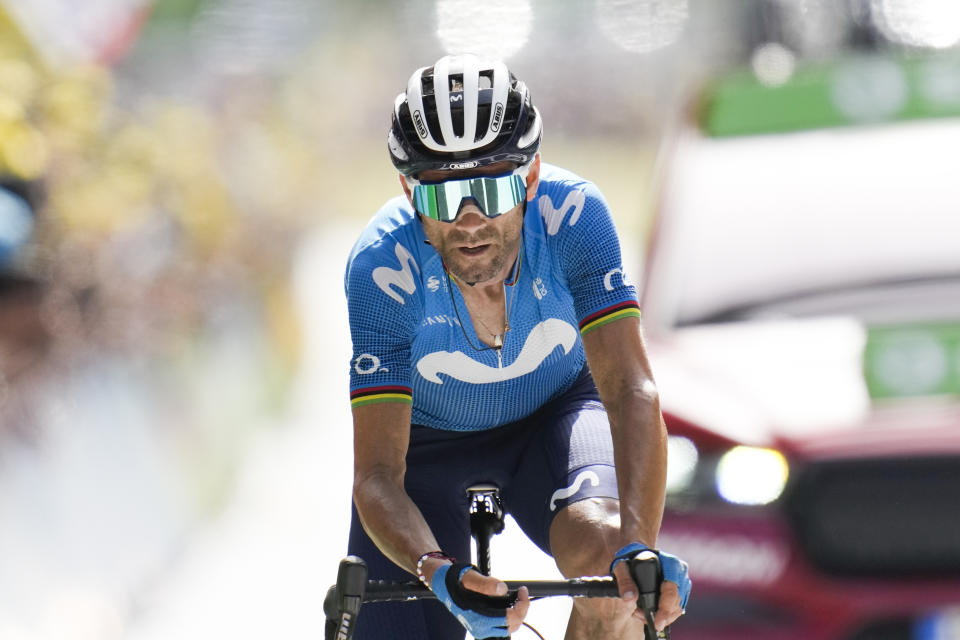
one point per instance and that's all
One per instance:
(402, 278)
(553, 216)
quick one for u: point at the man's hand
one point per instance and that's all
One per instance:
(674, 591)
(479, 602)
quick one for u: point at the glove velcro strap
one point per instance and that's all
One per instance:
(627, 552)
(491, 606)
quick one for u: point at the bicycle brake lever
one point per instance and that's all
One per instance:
(646, 572)
(341, 606)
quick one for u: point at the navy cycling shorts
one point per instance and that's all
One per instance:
(560, 454)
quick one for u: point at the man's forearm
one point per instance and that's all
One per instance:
(392, 520)
(640, 453)
(624, 378)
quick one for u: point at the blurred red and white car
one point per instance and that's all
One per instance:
(801, 302)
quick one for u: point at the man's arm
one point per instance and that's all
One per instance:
(621, 370)
(381, 433)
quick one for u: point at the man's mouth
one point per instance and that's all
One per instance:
(475, 250)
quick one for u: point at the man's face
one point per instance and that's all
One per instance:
(475, 248)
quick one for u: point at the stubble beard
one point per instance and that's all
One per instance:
(471, 272)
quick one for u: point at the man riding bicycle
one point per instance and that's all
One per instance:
(497, 339)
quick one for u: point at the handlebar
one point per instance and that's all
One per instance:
(343, 600)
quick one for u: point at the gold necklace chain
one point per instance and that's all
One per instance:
(507, 305)
(497, 341)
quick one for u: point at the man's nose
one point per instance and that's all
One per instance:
(470, 215)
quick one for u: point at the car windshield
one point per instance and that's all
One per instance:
(858, 221)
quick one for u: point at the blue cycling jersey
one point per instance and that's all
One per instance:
(413, 339)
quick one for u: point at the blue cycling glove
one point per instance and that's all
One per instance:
(483, 616)
(674, 569)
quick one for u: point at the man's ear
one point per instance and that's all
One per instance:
(533, 177)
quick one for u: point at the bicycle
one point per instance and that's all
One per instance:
(343, 601)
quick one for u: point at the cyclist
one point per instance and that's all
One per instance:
(497, 339)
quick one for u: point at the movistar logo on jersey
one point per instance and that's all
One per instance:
(543, 339)
(553, 216)
(402, 278)
(456, 97)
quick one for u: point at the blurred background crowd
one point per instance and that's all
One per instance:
(165, 164)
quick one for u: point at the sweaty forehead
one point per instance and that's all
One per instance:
(495, 169)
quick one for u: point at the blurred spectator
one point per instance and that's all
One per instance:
(146, 327)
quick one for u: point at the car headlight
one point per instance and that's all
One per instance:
(751, 475)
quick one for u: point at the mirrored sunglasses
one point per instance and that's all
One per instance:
(494, 195)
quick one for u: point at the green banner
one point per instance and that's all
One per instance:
(913, 360)
(858, 90)
(182, 11)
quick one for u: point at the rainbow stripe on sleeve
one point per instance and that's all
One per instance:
(373, 395)
(628, 308)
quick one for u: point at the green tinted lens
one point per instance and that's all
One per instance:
(494, 196)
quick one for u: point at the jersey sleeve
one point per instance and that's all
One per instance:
(380, 307)
(589, 259)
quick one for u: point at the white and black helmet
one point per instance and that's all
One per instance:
(463, 112)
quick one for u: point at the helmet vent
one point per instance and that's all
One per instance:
(433, 122)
